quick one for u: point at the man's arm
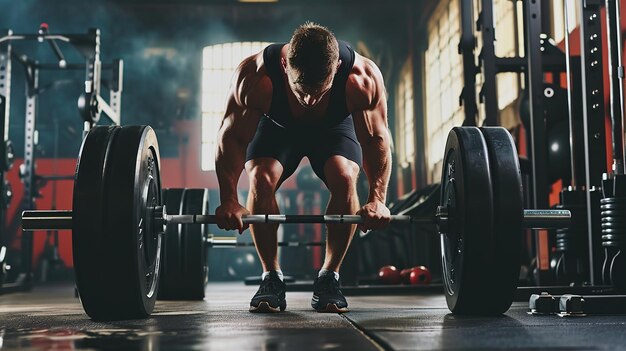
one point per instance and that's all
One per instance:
(370, 123)
(247, 99)
(250, 95)
(369, 111)
(236, 131)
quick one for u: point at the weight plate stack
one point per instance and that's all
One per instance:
(184, 260)
(115, 246)
(172, 198)
(508, 199)
(467, 239)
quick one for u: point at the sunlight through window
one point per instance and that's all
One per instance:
(218, 64)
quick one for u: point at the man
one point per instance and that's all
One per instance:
(314, 97)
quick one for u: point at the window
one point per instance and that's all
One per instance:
(444, 72)
(218, 65)
(506, 46)
(558, 13)
(405, 127)
(444, 82)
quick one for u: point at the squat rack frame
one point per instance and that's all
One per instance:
(88, 46)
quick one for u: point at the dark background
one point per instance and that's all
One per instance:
(161, 44)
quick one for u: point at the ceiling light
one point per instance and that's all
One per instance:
(257, 1)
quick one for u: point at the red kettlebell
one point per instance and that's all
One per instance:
(420, 275)
(389, 275)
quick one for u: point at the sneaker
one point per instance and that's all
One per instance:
(326, 295)
(271, 295)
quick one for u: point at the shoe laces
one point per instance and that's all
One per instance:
(328, 284)
(269, 285)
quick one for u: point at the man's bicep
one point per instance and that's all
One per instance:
(371, 123)
(240, 122)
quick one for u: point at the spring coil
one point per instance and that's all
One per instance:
(573, 238)
(613, 214)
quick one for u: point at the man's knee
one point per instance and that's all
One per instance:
(264, 176)
(341, 176)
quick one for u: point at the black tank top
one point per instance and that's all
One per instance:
(279, 110)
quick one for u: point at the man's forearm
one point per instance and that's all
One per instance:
(229, 163)
(377, 166)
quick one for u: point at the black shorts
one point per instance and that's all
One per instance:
(290, 145)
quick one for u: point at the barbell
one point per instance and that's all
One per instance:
(62, 219)
(118, 218)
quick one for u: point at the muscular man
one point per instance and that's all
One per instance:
(314, 97)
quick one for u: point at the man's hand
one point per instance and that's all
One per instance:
(228, 216)
(375, 216)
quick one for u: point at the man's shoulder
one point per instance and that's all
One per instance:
(365, 86)
(252, 85)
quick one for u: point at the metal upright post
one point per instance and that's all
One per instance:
(593, 113)
(92, 71)
(30, 137)
(115, 90)
(616, 75)
(488, 93)
(538, 149)
(27, 170)
(5, 99)
(466, 48)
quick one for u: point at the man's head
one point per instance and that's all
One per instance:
(312, 61)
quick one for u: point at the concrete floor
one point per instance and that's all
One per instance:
(51, 318)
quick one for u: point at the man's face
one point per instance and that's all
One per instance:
(308, 96)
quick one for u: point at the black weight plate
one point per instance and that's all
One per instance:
(170, 254)
(467, 194)
(195, 263)
(135, 187)
(121, 278)
(88, 218)
(188, 268)
(508, 213)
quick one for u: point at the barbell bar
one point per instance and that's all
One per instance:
(61, 219)
(231, 241)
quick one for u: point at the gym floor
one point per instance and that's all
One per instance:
(50, 318)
